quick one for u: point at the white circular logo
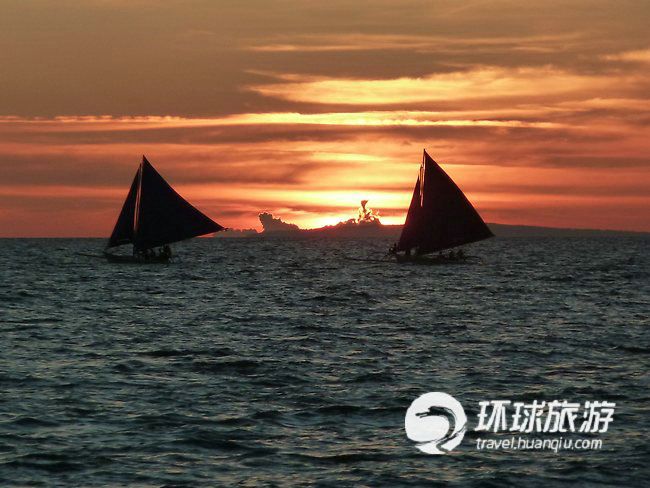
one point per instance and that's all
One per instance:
(436, 422)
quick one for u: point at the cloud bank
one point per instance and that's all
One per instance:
(306, 108)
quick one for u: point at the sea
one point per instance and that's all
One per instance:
(270, 362)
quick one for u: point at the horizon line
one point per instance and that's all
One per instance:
(580, 229)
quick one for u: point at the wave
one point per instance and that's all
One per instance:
(241, 366)
(171, 353)
(348, 458)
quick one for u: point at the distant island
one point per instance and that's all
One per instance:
(369, 225)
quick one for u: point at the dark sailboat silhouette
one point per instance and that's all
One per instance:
(154, 215)
(440, 217)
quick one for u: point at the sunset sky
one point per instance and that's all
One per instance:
(540, 111)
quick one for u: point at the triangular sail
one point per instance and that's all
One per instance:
(123, 231)
(164, 216)
(154, 214)
(410, 229)
(440, 216)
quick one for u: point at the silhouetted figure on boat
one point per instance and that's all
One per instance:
(166, 252)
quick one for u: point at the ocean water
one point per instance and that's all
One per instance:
(280, 363)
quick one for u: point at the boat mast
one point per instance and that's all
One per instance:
(136, 214)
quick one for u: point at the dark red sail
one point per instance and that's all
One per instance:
(440, 216)
(154, 214)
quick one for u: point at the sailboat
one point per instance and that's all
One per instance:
(154, 215)
(440, 217)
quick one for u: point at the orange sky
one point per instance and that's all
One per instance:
(301, 108)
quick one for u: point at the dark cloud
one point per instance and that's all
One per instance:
(104, 170)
